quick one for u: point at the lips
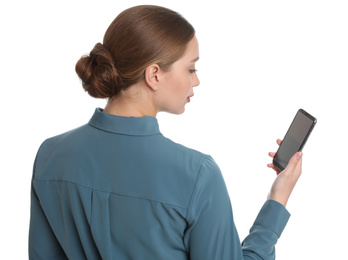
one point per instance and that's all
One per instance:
(189, 98)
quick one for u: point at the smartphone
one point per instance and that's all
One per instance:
(295, 138)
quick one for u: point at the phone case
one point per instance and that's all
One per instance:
(276, 162)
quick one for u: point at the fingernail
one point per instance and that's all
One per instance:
(299, 155)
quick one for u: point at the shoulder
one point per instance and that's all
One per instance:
(195, 164)
(60, 144)
(206, 161)
(67, 139)
(187, 171)
(179, 148)
(184, 157)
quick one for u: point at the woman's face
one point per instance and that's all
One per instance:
(177, 85)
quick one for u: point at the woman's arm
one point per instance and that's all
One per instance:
(42, 242)
(211, 232)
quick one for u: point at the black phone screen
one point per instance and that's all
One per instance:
(295, 138)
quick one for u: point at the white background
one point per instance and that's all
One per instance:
(260, 61)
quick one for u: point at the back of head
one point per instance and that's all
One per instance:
(138, 37)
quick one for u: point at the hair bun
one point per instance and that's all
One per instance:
(98, 73)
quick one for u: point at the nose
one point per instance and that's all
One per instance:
(195, 81)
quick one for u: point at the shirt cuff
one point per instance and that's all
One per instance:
(274, 216)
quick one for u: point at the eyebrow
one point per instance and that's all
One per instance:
(196, 59)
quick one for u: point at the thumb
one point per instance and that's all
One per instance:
(294, 161)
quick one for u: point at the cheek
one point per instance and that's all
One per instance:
(183, 91)
(186, 83)
(181, 87)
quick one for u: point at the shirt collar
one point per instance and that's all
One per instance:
(146, 125)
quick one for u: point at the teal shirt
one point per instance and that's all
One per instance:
(116, 188)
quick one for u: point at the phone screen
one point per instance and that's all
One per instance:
(295, 138)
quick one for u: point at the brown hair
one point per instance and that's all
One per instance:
(138, 37)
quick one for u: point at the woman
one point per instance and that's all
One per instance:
(116, 188)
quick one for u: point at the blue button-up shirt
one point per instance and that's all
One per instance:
(116, 188)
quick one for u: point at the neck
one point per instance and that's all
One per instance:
(134, 101)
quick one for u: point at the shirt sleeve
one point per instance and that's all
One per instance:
(211, 232)
(42, 242)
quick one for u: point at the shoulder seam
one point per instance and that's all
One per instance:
(194, 187)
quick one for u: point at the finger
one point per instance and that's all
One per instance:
(279, 141)
(271, 154)
(275, 168)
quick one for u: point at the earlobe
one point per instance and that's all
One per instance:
(152, 76)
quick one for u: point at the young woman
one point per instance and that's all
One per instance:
(116, 188)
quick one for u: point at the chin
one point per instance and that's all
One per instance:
(176, 111)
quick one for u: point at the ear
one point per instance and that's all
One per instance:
(152, 76)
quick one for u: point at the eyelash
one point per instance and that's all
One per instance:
(193, 71)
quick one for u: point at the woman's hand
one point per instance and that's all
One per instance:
(286, 179)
